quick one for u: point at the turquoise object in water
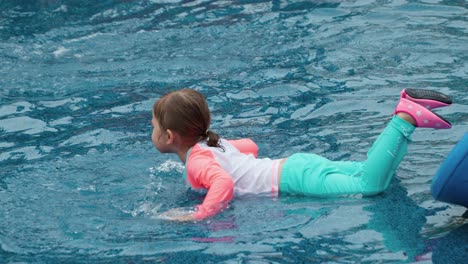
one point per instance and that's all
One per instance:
(451, 181)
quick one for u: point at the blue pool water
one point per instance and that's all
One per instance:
(80, 181)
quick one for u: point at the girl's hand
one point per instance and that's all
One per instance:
(183, 218)
(178, 214)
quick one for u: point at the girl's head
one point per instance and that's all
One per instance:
(183, 113)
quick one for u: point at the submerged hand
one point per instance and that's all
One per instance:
(183, 218)
(178, 214)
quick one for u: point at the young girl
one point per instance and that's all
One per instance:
(181, 122)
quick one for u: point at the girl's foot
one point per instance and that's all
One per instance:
(427, 98)
(421, 116)
(407, 118)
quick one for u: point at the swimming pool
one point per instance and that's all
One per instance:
(81, 182)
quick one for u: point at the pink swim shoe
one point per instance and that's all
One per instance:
(427, 98)
(421, 115)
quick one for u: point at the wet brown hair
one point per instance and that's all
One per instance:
(186, 112)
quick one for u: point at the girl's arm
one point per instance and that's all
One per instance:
(203, 171)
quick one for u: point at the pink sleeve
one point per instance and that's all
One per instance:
(246, 146)
(204, 172)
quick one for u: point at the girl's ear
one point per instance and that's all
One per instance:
(170, 136)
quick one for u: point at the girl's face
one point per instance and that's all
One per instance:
(159, 137)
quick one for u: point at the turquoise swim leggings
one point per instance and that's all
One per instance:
(313, 175)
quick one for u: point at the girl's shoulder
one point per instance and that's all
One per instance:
(227, 147)
(245, 146)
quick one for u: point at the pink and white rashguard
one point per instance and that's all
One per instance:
(234, 169)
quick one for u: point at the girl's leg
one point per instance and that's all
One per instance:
(385, 155)
(373, 175)
(413, 110)
(313, 175)
(310, 174)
